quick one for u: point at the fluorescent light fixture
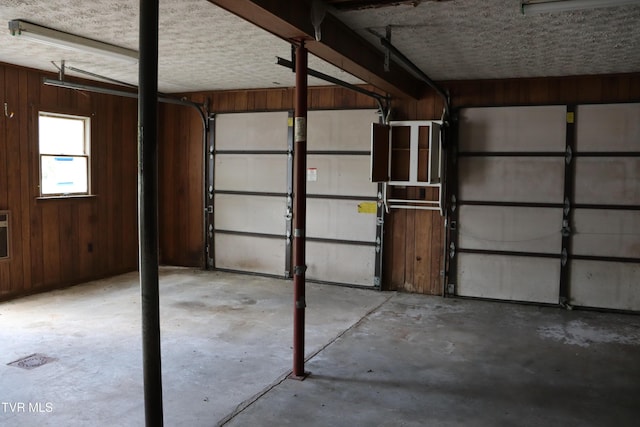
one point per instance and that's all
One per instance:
(57, 38)
(533, 6)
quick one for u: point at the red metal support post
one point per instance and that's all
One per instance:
(299, 210)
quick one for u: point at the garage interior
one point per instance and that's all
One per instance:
(473, 259)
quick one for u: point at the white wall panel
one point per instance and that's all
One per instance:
(607, 180)
(251, 131)
(608, 127)
(511, 179)
(341, 175)
(340, 263)
(340, 130)
(508, 277)
(513, 129)
(266, 173)
(605, 284)
(510, 228)
(255, 214)
(248, 253)
(610, 233)
(339, 219)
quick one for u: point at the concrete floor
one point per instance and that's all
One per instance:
(382, 359)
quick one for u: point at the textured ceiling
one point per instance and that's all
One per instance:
(470, 39)
(202, 47)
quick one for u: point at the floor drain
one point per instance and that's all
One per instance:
(32, 361)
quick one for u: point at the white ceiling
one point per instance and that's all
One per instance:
(202, 47)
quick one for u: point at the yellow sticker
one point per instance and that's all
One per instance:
(368, 207)
(570, 117)
(290, 122)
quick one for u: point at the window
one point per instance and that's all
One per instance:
(64, 143)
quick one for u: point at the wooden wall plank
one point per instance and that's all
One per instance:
(13, 170)
(85, 239)
(51, 244)
(4, 183)
(25, 190)
(166, 172)
(68, 242)
(129, 192)
(195, 180)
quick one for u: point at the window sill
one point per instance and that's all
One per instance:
(71, 196)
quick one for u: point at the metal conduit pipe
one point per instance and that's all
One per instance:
(382, 101)
(148, 211)
(414, 68)
(299, 211)
(107, 91)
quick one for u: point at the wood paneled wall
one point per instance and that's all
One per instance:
(414, 240)
(59, 242)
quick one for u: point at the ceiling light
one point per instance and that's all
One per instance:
(57, 38)
(533, 7)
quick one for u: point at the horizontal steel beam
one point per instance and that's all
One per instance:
(340, 45)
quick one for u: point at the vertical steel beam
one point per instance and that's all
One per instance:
(289, 213)
(451, 219)
(567, 212)
(209, 153)
(299, 210)
(148, 210)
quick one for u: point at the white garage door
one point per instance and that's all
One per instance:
(253, 172)
(250, 202)
(605, 266)
(548, 205)
(511, 175)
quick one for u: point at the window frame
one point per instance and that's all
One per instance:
(88, 137)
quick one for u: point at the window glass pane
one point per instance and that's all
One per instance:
(64, 175)
(61, 135)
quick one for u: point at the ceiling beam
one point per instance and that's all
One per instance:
(340, 45)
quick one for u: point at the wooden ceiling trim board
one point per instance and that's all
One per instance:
(340, 45)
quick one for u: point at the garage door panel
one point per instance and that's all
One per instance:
(261, 173)
(255, 214)
(341, 175)
(339, 219)
(518, 129)
(511, 179)
(607, 180)
(608, 127)
(605, 284)
(508, 277)
(517, 229)
(340, 263)
(610, 233)
(343, 131)
(249, 253)
(252, 131)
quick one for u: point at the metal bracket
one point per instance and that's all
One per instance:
(299, 270)
(451, 289)
(568, 155)
(452, 250)
(564, 257)
(6, 111)
(566, 229)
